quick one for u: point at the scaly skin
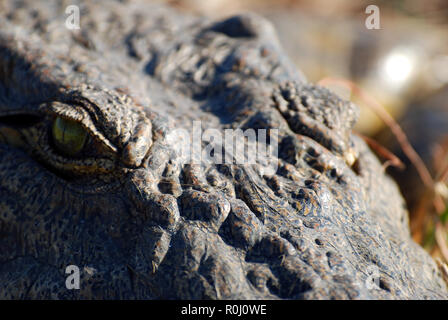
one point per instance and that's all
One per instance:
(140, 221)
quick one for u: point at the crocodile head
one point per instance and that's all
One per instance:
(91, 175)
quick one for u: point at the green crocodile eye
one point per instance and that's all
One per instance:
(68, 136)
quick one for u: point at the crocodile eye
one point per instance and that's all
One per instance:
(69, 136)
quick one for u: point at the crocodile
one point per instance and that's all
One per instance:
(91, 174)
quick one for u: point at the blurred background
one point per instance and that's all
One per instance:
(402, 67)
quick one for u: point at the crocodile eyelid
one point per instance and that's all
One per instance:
(78, 114)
